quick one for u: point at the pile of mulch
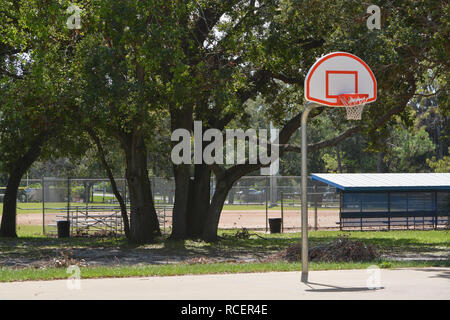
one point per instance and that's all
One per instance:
(340, 250)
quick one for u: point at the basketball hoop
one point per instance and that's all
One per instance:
(354, 104)
(338, 79)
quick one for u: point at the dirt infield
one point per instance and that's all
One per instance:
(252, 219)
(256, 219)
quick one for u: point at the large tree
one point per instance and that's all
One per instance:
(118, 71)
(249, 48)
(32, 83)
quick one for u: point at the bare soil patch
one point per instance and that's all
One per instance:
(256, 219)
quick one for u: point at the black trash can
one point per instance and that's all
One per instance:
(63, 228)
(275, 225)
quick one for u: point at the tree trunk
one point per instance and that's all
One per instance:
(231, 195)
(181, 119)
(123, 207)
(179, 214)
(8, 224)
(192, 199)
(86, 192)
(200, 201)
(212, 221)
(144, 224)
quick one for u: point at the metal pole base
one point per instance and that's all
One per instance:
(305, 277)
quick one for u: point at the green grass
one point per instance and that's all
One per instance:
(32, 236)
(32, 243)
(401, 240)
(409, 240)
(99, 199)
(26, 274)
(26, 231)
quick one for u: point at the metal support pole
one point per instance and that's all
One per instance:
(86, 199)
(68, 198)
(304, 175)
(389, 210)
(341, 198)
(435, 210)
(43, 206)
(267, 209)
(316, 225)
(282, 214)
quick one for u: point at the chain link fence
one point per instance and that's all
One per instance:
(91, 207)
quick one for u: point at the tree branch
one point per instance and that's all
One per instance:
(325, 143)
(230, 175)
(101, 156)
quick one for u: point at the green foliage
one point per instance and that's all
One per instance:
(143, 68)
(78, 191)
(331, 164)
(442, 165)
(35, 185)
(33, 83)
(407, 150)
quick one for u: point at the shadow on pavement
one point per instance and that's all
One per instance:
(442, 273)
(331, 288)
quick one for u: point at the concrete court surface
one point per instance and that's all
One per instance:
(403, 284)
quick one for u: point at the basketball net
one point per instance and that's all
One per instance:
(354, 104)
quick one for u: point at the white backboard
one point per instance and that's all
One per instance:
(339, 73)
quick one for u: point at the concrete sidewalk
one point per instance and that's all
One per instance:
(417, 283)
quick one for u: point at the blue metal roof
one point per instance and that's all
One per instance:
(385, 181)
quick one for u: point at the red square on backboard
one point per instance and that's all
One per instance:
(337, 72)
